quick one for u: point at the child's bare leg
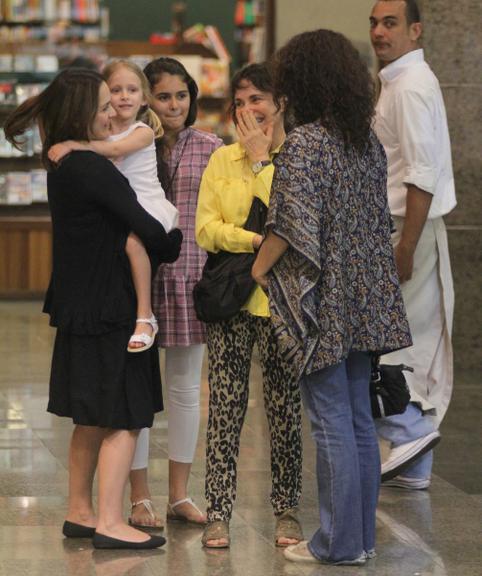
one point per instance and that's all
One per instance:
(141, 275)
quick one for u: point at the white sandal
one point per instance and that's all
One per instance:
(173, 516)
(147, 503)
(143, 338)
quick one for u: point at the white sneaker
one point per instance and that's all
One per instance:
(405, 454)
(301, 553)
(408, 483)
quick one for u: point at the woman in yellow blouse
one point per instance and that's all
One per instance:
(234, 176)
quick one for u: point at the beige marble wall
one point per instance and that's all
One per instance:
(350, 17)
(453, 47)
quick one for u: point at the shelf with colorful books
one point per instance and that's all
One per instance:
(52, 20)
(254, 33)
(22, 179)
(50, 10)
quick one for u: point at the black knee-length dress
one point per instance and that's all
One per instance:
(91, 299)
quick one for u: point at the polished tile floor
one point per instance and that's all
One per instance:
(419, 534)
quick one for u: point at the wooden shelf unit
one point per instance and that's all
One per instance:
(25, 251)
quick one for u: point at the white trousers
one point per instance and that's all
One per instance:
(183, 382)
(429, 301)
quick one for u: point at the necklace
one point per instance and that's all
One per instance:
(174, 172)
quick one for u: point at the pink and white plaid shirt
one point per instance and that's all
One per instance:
(172, 290)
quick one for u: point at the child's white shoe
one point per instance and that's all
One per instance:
(143, 338)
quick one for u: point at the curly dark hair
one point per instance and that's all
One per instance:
(323, 77)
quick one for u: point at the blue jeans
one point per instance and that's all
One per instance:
(403, 428)
(337, 402)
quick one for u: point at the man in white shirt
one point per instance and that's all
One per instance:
(411, 124)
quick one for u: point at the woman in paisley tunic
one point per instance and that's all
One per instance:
(328, 265)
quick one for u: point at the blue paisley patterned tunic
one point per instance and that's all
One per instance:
(336, 288)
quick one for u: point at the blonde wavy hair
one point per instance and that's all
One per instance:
(145, 114)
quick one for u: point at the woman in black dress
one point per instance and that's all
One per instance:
(108, 393)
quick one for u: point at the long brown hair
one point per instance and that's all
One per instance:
(65, 110)
(145, 114)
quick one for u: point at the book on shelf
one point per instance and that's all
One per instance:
(214, 78)
(6, 62)
(38, 183)
(7, 93)
(217, 43)
(49, 10)
(46, 63)
(25, 91)
(22, 187)
(257, 52)
(24, 63)
(18, 188)
(209, 37)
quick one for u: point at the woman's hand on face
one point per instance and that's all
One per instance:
(252, 137)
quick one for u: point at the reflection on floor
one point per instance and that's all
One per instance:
(419, 534)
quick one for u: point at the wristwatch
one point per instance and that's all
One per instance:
(256, 167)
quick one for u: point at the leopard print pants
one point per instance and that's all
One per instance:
(230, 346)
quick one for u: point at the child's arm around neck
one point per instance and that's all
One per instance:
(139, 138)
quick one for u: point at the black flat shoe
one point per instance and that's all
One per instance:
(73, 530)
(106, 542)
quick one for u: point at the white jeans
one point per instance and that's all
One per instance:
(183, 381)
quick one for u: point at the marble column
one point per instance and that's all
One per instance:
(452, 44)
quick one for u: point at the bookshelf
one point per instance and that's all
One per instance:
(25, 229)
(38, 37)
(52, 20)
(254, 32)
(25, 232)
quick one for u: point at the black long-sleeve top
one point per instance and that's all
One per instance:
(93, 210)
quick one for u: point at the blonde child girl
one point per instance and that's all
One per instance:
(131, 148)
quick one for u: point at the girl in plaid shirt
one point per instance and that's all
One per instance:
(182, 154)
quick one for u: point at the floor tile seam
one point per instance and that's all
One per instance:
(408, 537)
(59, 462)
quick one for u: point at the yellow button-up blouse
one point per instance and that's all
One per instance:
(228, 187)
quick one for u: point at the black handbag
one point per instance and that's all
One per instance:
(226, 282)
(389, 393)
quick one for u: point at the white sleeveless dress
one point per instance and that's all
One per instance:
(140, 168)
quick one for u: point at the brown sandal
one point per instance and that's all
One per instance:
(288, 526)
(217, 530)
